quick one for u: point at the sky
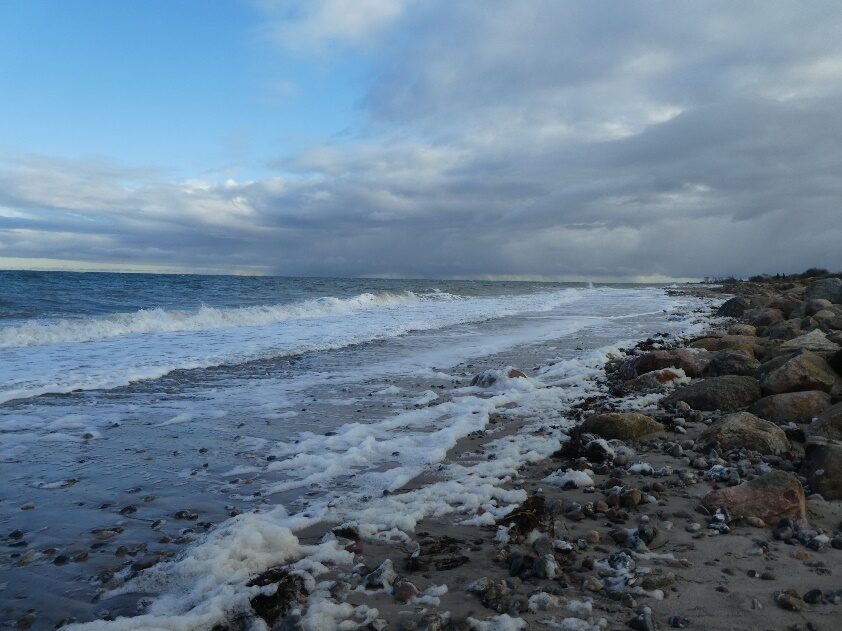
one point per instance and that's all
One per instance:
(540, 139)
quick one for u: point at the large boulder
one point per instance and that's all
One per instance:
(826, 288)
(754, 346)
(771, 497)
(729, 393)
(817, 304)
(731, 362)
(784, 330)
(815, 341)
(691, 360)
(795, 407)
(733, 307)
(788, 305)
(828, 424)
(801, 371)
(745, 431)
(621, 425)
(823, 467)
(763, 316)
(739, 328)
(656, 379)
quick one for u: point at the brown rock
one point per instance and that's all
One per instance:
(742, 329)
(801, 371)
(770, 497)
(796, 407)
(764, 316)
(654, 380)
(745, 431)
(621, 425)
(729, 393)
(691, 361)
(731, 362)
(751, 345)
(814, 341)
(403, 590)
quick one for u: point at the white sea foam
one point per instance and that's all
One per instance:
(36, 333)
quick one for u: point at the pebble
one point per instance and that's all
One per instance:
(789, 600)
(756, 522)
(693, 526)
(186, 514)
(677, 622)
(813, 597)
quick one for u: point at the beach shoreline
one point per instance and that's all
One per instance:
(634, 539)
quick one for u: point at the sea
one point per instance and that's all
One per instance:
(164, 437)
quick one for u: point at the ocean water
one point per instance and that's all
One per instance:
(177, 418)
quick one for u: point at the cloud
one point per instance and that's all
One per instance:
(316, 26)
(539, 138)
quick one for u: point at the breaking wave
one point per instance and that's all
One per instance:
(156, 320)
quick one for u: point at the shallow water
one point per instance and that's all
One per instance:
(305, 393)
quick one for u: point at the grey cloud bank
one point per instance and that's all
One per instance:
(542, 139)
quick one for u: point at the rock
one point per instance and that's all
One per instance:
(403, 590)
(731, 362)
(383, 577)
(812, 307)
(813, 597)
(789, 600)
(784, 330)
(742, 329)
(621, 425)
(728, 393)
(763, 316)
(655, 379)
(754, 346)
(814, 341)
(755, 522)
(488, 378)
(795, 407)
(770, 497)
(691, 361)
(823, 467)
(743, 430)
(828, 424)
(826, 288)
(290, 590)
(802, 371)
(733, 308)
(444, 553)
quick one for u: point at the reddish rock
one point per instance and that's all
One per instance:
(691, 361)
(770, 497)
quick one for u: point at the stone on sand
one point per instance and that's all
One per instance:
(728, 393)
(770, 497)
(621, 425)
(743, 430)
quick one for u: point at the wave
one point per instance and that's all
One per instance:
(35, 333)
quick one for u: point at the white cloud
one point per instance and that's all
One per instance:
(313, 26)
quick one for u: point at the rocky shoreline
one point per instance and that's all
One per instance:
(702, 490)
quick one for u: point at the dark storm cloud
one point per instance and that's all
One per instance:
(509, 138)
